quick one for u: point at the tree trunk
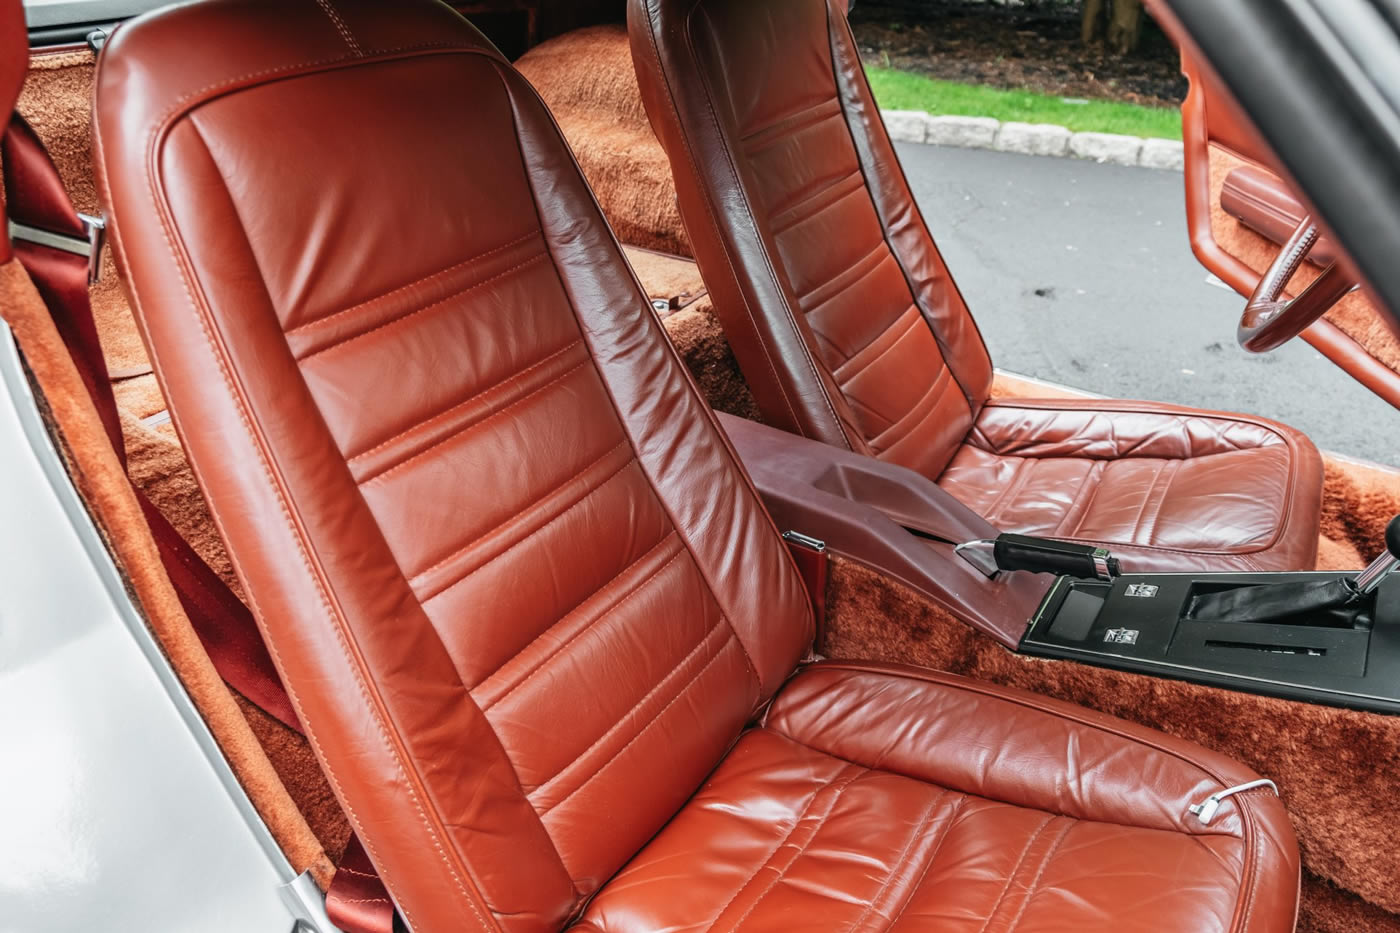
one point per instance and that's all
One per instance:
(1125, 26)
(1124, 22)
(1091, 21)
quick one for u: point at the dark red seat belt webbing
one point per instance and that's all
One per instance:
(357, 900)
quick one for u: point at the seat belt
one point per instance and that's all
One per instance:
(61, 250)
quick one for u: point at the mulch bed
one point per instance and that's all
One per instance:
(1037, 51)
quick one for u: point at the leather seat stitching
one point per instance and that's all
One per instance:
(1015, 870)
(320, 321)
(340, 26)
(475, 396)
(844, 778)
(1040, 872)
(1094, 480)
(294, 69)
(912, 321)
(913, 221)
(1146, 501)
(814, 203)
(564, 510)
(1250, 884)
(1195, 837)
(1031, 702)
(896, 864)
(606, 610)
(1110, 406)
(656, 688)
(436, 305)
(868, 419)
(355, 664)
(1168, 474)
(480, 423)
(825, 348)
(865, 258)
(916, 415)
(731, 637)
(791, 122)
(954, 816)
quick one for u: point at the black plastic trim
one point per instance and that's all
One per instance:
(1357, 668)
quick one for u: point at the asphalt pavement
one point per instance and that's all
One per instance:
(1082, 274)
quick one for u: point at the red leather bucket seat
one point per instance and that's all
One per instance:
(538, 628)
(850, 330)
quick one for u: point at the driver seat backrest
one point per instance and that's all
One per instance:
(520, 591)
(815, 251)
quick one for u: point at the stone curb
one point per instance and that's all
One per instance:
(1038, 139)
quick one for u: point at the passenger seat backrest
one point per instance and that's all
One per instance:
(840, 310)
(520, 591)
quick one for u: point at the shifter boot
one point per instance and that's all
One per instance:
(1271, 601)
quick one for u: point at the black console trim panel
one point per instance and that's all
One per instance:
(1139, 622)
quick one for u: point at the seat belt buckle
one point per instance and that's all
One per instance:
(89, 246)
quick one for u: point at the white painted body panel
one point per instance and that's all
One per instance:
(117, 812)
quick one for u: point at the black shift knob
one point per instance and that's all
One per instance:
(1392, 537)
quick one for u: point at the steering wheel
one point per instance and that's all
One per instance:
(1269, 322)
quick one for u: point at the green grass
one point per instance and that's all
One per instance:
(900, 90)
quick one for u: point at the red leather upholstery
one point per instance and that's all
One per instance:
(446, 441)
(1173, 490)
(844, 317)
(521, 594)
(829, 817)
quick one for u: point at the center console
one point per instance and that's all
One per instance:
(1144, 623)
(1320, 637)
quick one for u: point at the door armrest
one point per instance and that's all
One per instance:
(1262, 202)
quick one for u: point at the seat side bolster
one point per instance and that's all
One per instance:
(734, 546)
(1061, 759)
(932, 285)
(1092, 766)
(800, 397)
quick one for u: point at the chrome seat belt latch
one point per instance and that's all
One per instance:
(90, 245)
(1205, 810)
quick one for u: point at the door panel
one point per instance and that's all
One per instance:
(1238, 204)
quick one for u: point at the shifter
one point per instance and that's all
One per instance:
(1367, 580)
(1274, 601)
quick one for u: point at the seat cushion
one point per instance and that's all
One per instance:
(876, 797)
(1169, 489)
